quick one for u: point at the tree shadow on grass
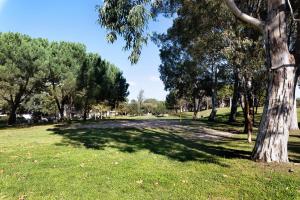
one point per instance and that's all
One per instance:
(158, 141)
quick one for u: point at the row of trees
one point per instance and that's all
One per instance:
(213, 58)
(208, 49)
(41, 76)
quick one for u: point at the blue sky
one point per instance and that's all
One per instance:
(76, 21)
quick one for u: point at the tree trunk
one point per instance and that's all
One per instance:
(248, 108)
(84, 114)
(296, 53)
(248, 125)
(272, 138)
(212, 116)
(235, 98)
(197, 105)
(12, 115)
(62, 112)
(195, 109)
(294, 119)
(207, 103)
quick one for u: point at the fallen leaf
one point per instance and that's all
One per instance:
(139, 182)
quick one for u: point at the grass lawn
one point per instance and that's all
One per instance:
(55, 162)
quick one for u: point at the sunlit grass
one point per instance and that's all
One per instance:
(51, 162)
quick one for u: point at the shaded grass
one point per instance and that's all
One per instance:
(57, 162)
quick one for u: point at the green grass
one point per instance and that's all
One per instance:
(52, 162)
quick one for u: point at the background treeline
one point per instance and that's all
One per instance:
(46, 78)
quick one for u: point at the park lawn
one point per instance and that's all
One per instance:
(49, 162)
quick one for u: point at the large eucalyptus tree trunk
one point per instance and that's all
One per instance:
(272, 139)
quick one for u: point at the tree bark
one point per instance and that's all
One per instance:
(85, 109)
(248, 110)
(84, 114)
(235, 98)
(197, 104)
(296, 53)
(61, 109)
(248, 125)
(272, 139)
(12, 115)
(212, 116)
(294, 119)
(195, 109)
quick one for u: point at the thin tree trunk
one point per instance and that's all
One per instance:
(294, 119)
(61, 109)
(212, 116)
(197, 107)
(248, 128)
(296, 53)
(85, 110)
(248, 108)
(84, 114)
(235, 98)
(207, 103)
(272, 139)
(12, 115)
(252, 110)
(248, 125)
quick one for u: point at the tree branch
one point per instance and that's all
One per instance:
(244, 17)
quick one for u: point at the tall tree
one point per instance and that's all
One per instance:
(22, 69)
(86, 82)
(65, 61)
(119, 90)
(272, 139)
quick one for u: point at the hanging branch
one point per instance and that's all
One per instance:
(244, 17)
(292, 12)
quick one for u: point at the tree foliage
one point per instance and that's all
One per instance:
(23, 69)
(37, 74)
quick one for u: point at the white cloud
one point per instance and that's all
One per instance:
(154, 79)
(2, 3)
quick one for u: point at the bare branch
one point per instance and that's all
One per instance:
(292, 12)
(244, 17)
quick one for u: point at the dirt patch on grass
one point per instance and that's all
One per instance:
(184, 128)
